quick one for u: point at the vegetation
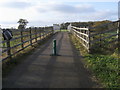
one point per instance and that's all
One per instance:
(22, 23)
(104, 67)
(64, 25)
(85, 24)
(104, 57)
(104, 45)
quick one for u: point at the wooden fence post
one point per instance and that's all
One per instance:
(30, 37)
(119, 36)
(52, 30)
(21, 32)
(44, 32)
(36, 34)
(9, 49)
(89, 41)
(39, 33)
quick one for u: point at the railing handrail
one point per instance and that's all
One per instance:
(79, 28)
(31, 38)
(85, 37)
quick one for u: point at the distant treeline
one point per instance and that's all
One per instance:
(86, 24)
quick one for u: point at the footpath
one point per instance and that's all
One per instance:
(40, 70)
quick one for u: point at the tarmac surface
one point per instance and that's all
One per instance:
(41, 70)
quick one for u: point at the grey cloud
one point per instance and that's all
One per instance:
(102, 15)
(109, 14)
(73, 9)
(16, 4)
(42, 10)
(64, 8)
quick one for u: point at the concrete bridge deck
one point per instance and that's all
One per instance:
(40, 70)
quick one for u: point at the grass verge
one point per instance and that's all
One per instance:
(62, 30)
(104, 67)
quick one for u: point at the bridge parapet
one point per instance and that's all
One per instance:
(22, 39)
(83, 35)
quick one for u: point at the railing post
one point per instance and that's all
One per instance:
(36, 34)
(30, 37)
(40, 33)
(119, 36)
(89, 41)
(9, 49)
(52, 30)
(46, 31)
(21, 32)
(119, 27)
(43, 32)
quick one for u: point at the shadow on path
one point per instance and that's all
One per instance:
(48, 75)
(41, 70)
(17, 72)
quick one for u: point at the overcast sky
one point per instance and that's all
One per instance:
(48, 12)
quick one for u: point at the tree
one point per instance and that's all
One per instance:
(64, 25)
(22, 23)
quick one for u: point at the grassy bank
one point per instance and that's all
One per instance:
(104, 67)
(62, 30)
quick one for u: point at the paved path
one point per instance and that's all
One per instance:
(40, 70)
